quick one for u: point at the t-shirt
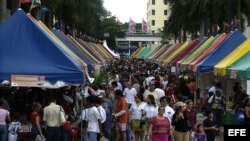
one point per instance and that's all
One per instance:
(136, 110)
(169, 112)
(3, 114)
(122, 104)
(14, 127)
(130, 95)
(150, 110)
(200, 136)
(209, 123)
(160, 126)
(33, 118)
(92, 116)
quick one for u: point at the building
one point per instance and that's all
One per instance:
(158, 12)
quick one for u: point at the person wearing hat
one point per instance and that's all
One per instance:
(218, 105)
(180, 123)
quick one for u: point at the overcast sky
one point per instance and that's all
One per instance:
(125, 9)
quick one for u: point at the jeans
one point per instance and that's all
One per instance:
(34, 131)
(53, 133)
(92, 136)
(65, 135)
(3, 132)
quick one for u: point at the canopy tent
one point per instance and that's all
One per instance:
(160, 51)
(66, 42)
(190, 52)
(84, 50)
(144, 53)
(241, 68)
(220, 68)
(176, 52)
(26, 50)
(227, 46)
(154, 51)
(192, 56)
(106, 46)
(185, 52)
(169, 52)
(138, 52)
(108, 54)
(192, 65)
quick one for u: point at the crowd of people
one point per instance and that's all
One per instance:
(141, 101)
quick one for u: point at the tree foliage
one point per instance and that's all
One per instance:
(88, 16)
(188, 15)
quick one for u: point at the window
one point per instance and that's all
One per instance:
(153, 2)
(153, 22)
(165, 2)
(153, 12)
(165, 22)
(165, 12)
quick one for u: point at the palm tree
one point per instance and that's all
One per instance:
(191, 15)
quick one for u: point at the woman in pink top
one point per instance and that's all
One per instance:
(4, 114)
(160, 127)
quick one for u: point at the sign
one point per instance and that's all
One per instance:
(233, 74)
(27, 80)
(240, 132)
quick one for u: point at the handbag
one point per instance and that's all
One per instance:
(39, 138)
(62, 118)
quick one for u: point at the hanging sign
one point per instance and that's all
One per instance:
(27, 80)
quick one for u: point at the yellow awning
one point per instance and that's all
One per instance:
(220, 68)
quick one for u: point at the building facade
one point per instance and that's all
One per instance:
(158, 12)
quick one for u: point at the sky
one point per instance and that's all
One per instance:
(125, 9)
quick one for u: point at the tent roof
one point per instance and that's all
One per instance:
(176, 52)
(185, 52)
(220, 68)
(66, 42)
(241, 68)
(228, 45)
(192, 65)
(26, 50)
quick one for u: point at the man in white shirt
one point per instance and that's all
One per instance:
(129, 93)
(51, 116)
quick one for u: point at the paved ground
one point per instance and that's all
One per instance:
(201, 117)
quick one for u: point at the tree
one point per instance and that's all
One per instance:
(191, 15)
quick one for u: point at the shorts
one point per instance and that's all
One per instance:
(121, 126)
(137, 126)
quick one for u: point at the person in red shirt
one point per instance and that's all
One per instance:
(121, 116)
(36, 128)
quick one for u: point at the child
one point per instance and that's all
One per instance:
(210, 126)
(14, 128)
(200, 135)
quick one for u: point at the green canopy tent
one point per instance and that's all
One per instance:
(241, 68)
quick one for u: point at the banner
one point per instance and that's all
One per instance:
(27, 80)
(131, 26)
(144, 26)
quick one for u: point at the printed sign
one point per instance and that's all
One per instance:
(27, 80)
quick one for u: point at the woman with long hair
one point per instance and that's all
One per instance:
(137, 118)
(160, 127)
(36, 128)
